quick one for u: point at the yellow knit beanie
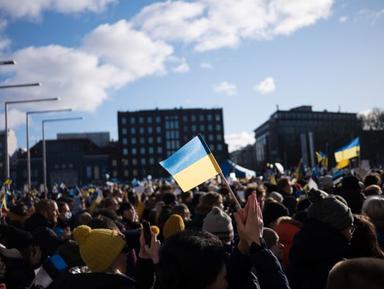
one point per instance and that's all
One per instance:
(173, 225)
(99, 248)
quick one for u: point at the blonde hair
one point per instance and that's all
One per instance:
(373, 207)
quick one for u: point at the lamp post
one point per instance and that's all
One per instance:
(44, 146)
(20, 85)
(28, 113)
(7, 174)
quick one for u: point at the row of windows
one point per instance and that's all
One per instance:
(171, 147)
(170, 135)
(157, 119)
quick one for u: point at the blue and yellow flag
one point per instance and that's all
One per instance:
(349, 151)
(192, 164)
(322, 159)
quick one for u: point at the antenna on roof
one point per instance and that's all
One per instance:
(277, 107)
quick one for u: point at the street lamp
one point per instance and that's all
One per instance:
(44, 146)
(20, 85)
(7, 62)
(27, 136)
(7, 173)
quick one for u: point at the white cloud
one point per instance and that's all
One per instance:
(4, 40)
(343, 19)
(236, 141)
(112, 56)
(206, 65)
(371, 15)
(266, 86)
(213, 24)
(129, 50)
(225, 88)
(181, 65)
(15, 118)
(34, 8)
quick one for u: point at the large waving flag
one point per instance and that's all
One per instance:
(349, 151)
(192, 164)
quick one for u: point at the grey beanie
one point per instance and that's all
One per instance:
(219, 223)
(330, 209)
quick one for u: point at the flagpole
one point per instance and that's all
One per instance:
(238, 206)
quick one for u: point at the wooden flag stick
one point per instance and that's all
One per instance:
(235, 200)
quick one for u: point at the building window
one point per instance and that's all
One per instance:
(114, 174)
(193, 118)
(70, 166)
(142, 140)
(150, 129)
(149, 119)
(210, 137)
(201, 117)
(125, 162)
(193, 128)
(150, 150)
(123, 120)
(219, 138)
(209, 117)
(142, 151)
(133, 130)
(114, 163)
(218, 127)
(124, 131)
(219, 147)
(151, 161)
(125, 141)
(150, 140)
(133, 120)
(210, 127)
(134, 162)
(158, 119)
(141, 130)
(159, 150)
(202, 128)
(185, 118)
(96, 171)
(141, 119)
(218, 117)
(88, 172)
(134, 151)
(158, 129)
(133, 140)
(125, 151)
(126, 173)
(143, 162)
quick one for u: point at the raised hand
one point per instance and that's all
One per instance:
(152, 251)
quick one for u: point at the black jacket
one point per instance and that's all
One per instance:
(315, 250)
(36, 221)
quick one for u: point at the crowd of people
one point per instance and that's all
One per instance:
(305, 233)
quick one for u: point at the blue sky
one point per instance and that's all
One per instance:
(247, 56)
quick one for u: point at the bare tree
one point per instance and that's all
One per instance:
(374, 120)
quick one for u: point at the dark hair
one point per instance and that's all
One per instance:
(364, 241)
(357, 273)
(190, 260)
(372, 179)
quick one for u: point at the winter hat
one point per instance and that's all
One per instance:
(276, 196)
(273, 211)
(173, 225)
(330, 209)
(99, 248)
(47, 240)
(219, 223)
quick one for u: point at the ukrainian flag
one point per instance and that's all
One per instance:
(349, 151)
(192, 164)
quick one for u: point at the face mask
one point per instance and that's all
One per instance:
(68, 215)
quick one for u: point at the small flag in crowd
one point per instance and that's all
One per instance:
(349, 151)
(192, 164)
(322, 159)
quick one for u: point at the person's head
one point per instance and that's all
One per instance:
(173, 225)
(364, 241)
(100, 249)
(272, 211)
(48, 209)
(183, 211)
(46, 242)
(273, 243)
(128, 212)
(373, 207)
(192, 260)
(372, 190)
(208, 201)
(219, 223)
(111, 203)
(357, 273)
(326, 183)
(284, 186)
(187, 197)
(64, 211)
(351, 184)
(169, 198)
(331, 210)
(372, 179)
